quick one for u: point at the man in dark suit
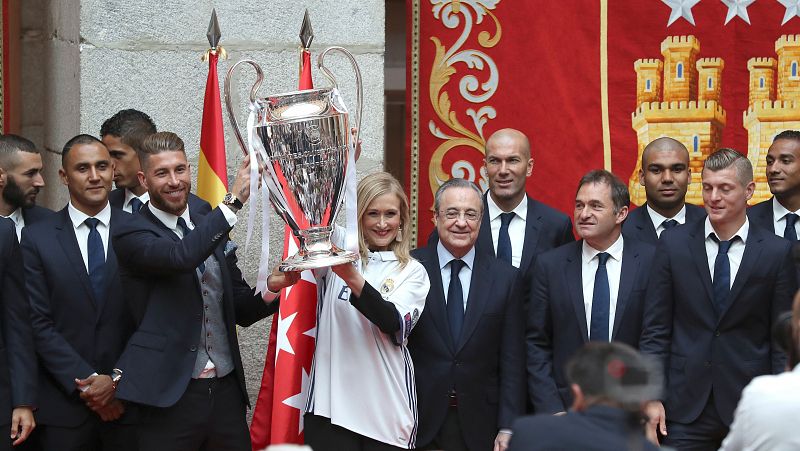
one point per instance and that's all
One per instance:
(665, 175)
(20, 181)
(509, 213)
(80, 320)
(182, 365)
(467, 347)
(592, 289)
(17, 353)
(780, 213)
(716, 288)
(609, 381)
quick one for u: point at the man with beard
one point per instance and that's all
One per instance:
(665, 175)
(182, 365)
(780, 213)
(20, 181)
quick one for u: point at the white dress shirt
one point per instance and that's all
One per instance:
(589, 263)
(19, 221)
(464, 276)
(766, 417)
(516, 228)
(126, 205)
(779, 213)
(82, 229)
(735, 252)
(658, 219)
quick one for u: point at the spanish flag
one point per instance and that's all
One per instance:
(212, 176)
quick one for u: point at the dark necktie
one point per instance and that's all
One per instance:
(669, 223)
(186, 231)
(601, 301)
(455, 300)
(722, 274)
(789, 233)
(136, 205)
(96, 258)
(503, 239)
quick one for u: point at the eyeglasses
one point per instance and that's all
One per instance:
(468, 215)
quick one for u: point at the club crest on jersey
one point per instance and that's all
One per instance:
(388, 286)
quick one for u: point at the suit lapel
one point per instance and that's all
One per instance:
(111, 259)
(628, 273)
(532, 223)
(646, 227)
(574, 277)
(697, 248)
(69, 243)
(752, 250)
(436, 307)
(485, 242)
(479, 287)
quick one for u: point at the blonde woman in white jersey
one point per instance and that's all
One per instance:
(362, 395)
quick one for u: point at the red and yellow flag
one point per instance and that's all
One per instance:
(212, 175)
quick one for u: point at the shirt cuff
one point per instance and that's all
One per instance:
(506, 431)
(230, 216)
(269, 296)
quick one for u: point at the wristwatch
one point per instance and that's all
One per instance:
(116, 376)
(232, 202)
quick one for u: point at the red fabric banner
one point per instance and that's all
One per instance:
(591, 83)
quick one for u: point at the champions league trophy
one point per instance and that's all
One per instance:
(301, 142)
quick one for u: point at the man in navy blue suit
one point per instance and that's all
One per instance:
(589, 290)
(716, 288)
(20, 181)
(80, 319)
(17, 354)
(467, 347)
(182, 365)
(665, 175)
(780, 213)
(609, 382)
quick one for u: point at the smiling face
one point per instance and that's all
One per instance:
(508, 165)
(665, 176)
(724, 196)
(783, 168)
(381, 222)
(87, 171)
(167, 176)
(595, 219)
(459, 233)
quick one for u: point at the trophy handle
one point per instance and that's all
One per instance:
(359, 86)
(253, 91)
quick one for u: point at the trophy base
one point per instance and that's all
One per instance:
(300, 262)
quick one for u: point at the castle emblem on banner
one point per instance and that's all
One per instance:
(680, 97)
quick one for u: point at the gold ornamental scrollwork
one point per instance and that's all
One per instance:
(467, 15)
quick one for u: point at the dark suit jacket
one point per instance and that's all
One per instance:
(639, 226)
(598, 428)
(117, 199)
(17, 353)
(761, 215)
(35, 214)
(160, 280)
(557, 317)
(699, 348)
(76, 333)
(486, 367)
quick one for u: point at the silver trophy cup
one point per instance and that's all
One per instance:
(301, 142)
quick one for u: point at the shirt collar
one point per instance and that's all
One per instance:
(615, 250)
(15, 215)
(445, 256)
(129, 195)
(659, 219)
(778, 210)
(168, 219)
(382, 256)
(78, 217)
(742, 233)
(520, 210)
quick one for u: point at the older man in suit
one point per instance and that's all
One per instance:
(780, 213)
(20, 181)
(182, 364)
(665, 175)
(17, 354)
(716, 288)
(590, 290)
(80, 319)
(468, 344)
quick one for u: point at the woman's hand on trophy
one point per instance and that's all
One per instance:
(241, 186)
(279, 280)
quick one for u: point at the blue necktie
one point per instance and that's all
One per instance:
(503, 240)
(669, 223)
(96, 257)
(136, 205)
(722, 274)
(601, 301)
(186, 231)
(455, 300)
(790, 233)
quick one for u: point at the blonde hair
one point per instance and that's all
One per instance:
(370, 188)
